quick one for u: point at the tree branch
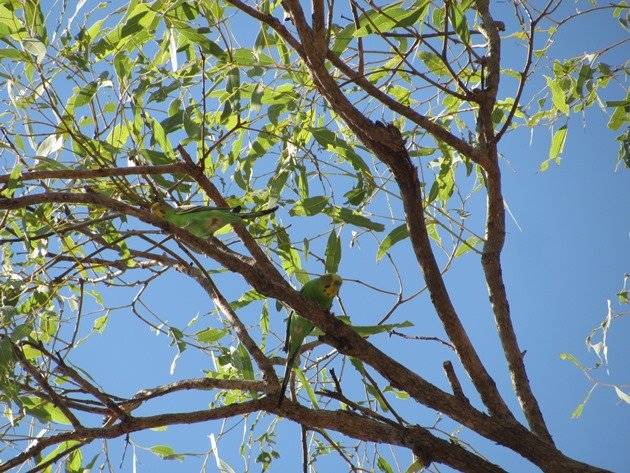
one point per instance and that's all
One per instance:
(495, 232)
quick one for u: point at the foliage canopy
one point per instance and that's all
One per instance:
(375, 128)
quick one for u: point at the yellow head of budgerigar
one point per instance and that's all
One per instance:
(332, 283)
(157, 209)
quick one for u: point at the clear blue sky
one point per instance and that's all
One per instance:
(563, 260)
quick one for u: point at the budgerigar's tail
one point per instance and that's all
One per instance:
(259, 213)
(287, 376)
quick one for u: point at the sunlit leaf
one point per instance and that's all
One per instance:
(557, 142)
(467, 245)
(307, 386)
(623, 396)
(397, 234)
(333, 252)
(211, 335)
(383, 465)
(309, 206)
(167, 453)
(243, 362)
(557, 95)
(458, 19)
(354, 218)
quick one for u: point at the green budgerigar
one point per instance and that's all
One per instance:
(203, 221)
(321, 290)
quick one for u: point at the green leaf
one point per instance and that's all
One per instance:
(309, 206)
(557, 143)
(211, 335)
(166, 453)
(336, 144)
(74, 463)
(620, 115)
(578, 410)
(159, 135)
(434, 63)
(333, 252)
(369, 330)
(383, 465)
(557, 95)
(100, 323)
(623, 155)
(458, 19)
(197, 36)
(397, 234)
(366, 330)
(62, 447)
(289, 256)
(7, 357)
(34, 18)
(390, 17)
(415, 467)
(467, 245)
(50, 145)
(307, 386)
(243, 362)
(14, 181)
(36, 48)
(233, 103)
(572, 359)
(21, 331)
(354, 218)
(256, 101)
(85, 95)
(44, 411)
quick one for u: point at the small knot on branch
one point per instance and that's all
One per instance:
(391, 136)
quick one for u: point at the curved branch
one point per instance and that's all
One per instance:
(495, 233)
(96, 173)
(420, 440)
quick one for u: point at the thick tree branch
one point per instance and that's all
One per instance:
(76, 174)
(416, 438)
(495, 232)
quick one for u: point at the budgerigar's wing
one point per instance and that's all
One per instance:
(204, 221)
(321, 290)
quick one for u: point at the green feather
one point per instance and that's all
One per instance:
(321, 290)
(203, 221)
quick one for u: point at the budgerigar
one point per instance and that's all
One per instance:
(321, 290)
(203, 221)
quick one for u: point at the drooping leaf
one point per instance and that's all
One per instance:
(211, 335)
(353, 218)
(623, 396)
(467, 245)
(458, 19)
(309, 206)
(333, 252)
(166, 453)
(307, 386)
(557, 142)
(558, 96)
(397, 234)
